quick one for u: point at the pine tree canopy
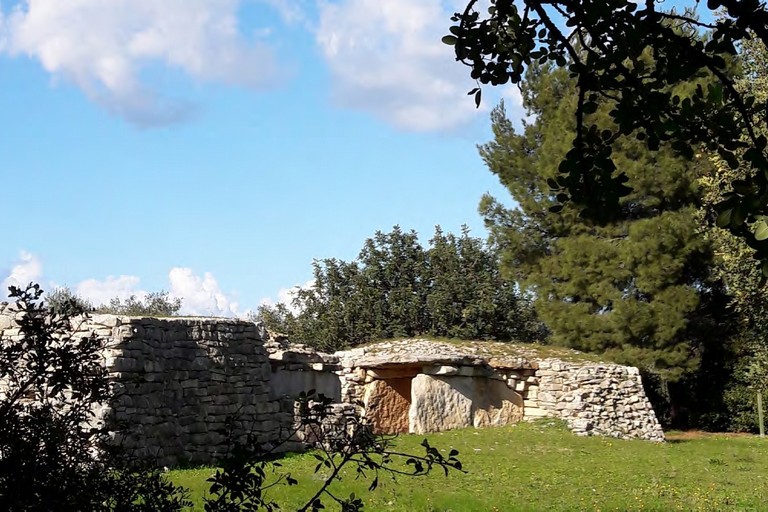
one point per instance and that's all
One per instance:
(636, 287)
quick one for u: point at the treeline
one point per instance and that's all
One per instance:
(398, 288)
(155, 304)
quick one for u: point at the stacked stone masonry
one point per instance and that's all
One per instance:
(184, 386)
(188, 386)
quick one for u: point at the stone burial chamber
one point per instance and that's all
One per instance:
(422, 386)
(188, 386)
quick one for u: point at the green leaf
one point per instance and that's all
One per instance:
(761, 230)
(715, 93)
(590, 107)
(729, 157)
(724, 218)
(739, 215)
(450, 40)
(742, 187)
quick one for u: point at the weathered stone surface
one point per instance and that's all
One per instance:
(495, 404)
(595, 399)
(386, 405)
(440, 403)
(178, 378)
(440, 370)
(396, 372)
(548, 385)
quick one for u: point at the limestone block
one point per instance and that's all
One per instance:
(495, 404)
(440, 370)
(386, 405)
(534, 412)
(396, 372)
(440, 403)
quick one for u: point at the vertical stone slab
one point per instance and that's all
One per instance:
(440, 403)
(386, 405)
(496, 404)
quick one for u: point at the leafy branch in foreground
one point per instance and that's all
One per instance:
(340, 442)
(633, 55)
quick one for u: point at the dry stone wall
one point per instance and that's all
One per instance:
(595, 399)
(184, 385)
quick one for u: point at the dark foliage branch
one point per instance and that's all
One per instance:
(54, 450)
(606, 46)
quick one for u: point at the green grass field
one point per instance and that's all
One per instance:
(542, 466)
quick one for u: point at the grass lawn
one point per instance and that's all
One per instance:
(542, 466)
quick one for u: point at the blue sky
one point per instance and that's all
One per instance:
(213, 148)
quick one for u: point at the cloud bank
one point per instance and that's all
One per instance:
(103, 47)
(201, 295)
(387, 58)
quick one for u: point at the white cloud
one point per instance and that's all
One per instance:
(27, 269)
(286, 296)
(200, 295)
(386, 57)
(101, 292)
(104, 46)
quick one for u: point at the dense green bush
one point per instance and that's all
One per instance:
(53, 450)
(398, 288)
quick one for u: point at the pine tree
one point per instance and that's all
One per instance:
(637, 289)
